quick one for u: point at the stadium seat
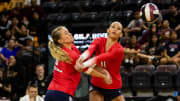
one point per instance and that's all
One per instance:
(51, 17)
(76, 17)
(126, 87)
(161, 1)
(178, 80)
(127, 16)
(63, 18)
(49, 7)
(64, 7)
(164, 80)
(103, 15)
(85, 4)
(133, 1)
(116, 16)
(51, 20)
(142, 80)
(88, 16)
(101, 5)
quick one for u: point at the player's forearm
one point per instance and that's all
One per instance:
(95, 73)
(100, 72)
(89, 63)
(145, 56)
(85, 55)
(142, 55)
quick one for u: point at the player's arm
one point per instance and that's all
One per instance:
(95, 71)
(112, 55)
(85, 55)
(137, 52)
(145, 56)
(100, 72)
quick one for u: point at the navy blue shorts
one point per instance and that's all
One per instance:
(109, 94)
(52, 95)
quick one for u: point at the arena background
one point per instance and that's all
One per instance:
(86, 20)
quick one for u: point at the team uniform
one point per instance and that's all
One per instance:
(111, 61)
(65, 78)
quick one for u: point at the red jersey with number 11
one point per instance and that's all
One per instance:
(110, 60)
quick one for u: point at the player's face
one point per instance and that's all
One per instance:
(115, 30)
(66, 36)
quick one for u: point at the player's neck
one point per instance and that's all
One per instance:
(109, 43)
(67, 45)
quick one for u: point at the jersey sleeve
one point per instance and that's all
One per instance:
(89, 52)
(114, 54)
(75, 48)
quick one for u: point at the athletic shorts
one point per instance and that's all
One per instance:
(109, 94)
(53, 95)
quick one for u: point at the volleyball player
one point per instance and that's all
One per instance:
(65, 77)
(109, 55)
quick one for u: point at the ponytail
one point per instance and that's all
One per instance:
(58, 53)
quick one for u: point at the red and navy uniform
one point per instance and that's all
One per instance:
(65, 77)
(110, 60)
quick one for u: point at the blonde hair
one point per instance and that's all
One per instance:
(55, 48)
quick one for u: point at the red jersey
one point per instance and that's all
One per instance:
(110, 60)
(65, 77)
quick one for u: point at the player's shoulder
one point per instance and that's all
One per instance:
(100, 38)
(118, 45)
(73, 45)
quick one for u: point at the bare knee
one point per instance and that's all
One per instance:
(96, 96)
(119, 98)
(94, 92)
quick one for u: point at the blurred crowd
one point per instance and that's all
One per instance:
(160, 40)
(24, 54)
(23, 49)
